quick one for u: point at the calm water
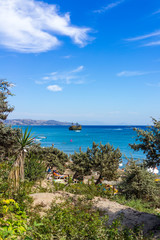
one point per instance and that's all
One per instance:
(70, 141)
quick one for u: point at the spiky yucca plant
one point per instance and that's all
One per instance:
(25, 140)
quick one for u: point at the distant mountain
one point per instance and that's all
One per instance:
(28, 122)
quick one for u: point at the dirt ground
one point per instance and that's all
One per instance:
(131, 217)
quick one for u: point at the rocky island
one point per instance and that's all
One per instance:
(30, 122)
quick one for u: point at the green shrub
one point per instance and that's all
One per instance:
(8, 141)
(137, 204)
(89, 190)
(13, 221)
(77, 220)
(103, 159)
(70, 220)
(4, 172)
(34, 168)
(50, 156)
(21, 196)
(138, 183)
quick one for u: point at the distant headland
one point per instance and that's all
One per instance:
(27, 122)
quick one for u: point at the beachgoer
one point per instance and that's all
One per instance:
(49, 170)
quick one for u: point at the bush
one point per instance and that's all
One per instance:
(13, 221)
(89, 190)
(138, 183)
(82, 164)
(103, 159)
(77, 220)
(50, 156)
(4, 171)
(149, 142)
(8, 141)
(34, 168)
(70, 220)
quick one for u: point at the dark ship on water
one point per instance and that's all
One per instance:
(75, 127)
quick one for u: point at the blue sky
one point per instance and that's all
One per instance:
(95, 62)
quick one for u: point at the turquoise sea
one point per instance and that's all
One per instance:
(70, 141)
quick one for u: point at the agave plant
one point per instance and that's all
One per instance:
(25, 140)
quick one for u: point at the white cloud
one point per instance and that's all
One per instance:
(54, 88)
(67, 57)
(79, 69)
(157, 12)
(79, 82)
(108, 7)
(71, 77)
(32, 26)
(153, 84)
(152, 35)
(155, 43)
(45, 78)
(131, 73)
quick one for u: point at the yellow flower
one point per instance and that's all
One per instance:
(12, 201)
(7, 201)
(5, 209)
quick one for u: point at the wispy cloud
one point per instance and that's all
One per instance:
(74, 76)
(146, 37)
(131, 73)
(157, 12)
(67, 57)
(108, 7)
(31, 26)
(155, 43)
(54, 88)
(79, 69)
(153, 84)
(153, 34)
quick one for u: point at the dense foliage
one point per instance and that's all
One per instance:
(34, 168)
(8, 135)
(82, 164)
(8, 141)
(50, 156)
(77, 220)
(13, 221)
(71, 220)
(5, 108)
(89, 190)
(103, 159)
(106, 161)
(138, 183)
(5, 168)
(149, 143)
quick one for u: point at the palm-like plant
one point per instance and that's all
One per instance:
(25, 140)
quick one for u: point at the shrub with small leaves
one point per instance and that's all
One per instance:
(138, 183)
(13, 221)
(34, 168)
(52, 157)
